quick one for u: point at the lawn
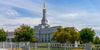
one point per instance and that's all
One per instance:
(56, 49)
(50, 49)
(16, 49)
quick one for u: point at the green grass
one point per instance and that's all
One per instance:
(56, 49)
(32, 48)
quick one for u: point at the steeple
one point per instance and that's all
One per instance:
(44, 19)
(44, 4)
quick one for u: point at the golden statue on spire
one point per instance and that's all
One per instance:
(44, 4)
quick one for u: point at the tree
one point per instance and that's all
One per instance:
(3, 35)
(65, 35)
(24, 33)
(96, 40)
(86, 35)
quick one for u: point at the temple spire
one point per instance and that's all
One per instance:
(44, 4)
(44, 19)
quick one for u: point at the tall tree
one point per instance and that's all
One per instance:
(96, 40)
(65, 35)
(86, 35)
(3, 35)
(24, 33)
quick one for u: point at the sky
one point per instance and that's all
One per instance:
(65, 13)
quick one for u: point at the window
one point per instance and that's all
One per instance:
(48, 37)
(42, 38)
(45, 37)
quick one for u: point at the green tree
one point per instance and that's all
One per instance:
(3, 35)
(24, 33)
(86, 35)
(65, 35)
(96, 40)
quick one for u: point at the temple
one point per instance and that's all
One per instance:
(43, 31)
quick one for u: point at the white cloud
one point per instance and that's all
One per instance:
(70, 15)
(12, 13)
(11, 24)
(96, 28)
(28, 5)
(25, 20)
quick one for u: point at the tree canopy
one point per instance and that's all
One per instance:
(3, 35)
(65, 35)
(86, 35)
(96, 40)
(24, 33)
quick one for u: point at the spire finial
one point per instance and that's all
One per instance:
(44, 4)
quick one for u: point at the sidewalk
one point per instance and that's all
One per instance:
(3, 49)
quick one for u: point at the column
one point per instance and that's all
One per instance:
(88, 46)
(44, 38)
(27, 45)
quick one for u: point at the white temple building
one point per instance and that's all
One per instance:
(43, 31)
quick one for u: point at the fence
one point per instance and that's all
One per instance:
(56, 46)
(47, 46)
(95, 46)
(14, 46)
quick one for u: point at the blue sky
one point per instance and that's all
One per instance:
(67, 13)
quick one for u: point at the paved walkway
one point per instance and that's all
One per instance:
(3, 49)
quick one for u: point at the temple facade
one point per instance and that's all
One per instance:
(43, 31)
(10, 36)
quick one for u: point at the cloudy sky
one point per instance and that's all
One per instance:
(67, 13)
